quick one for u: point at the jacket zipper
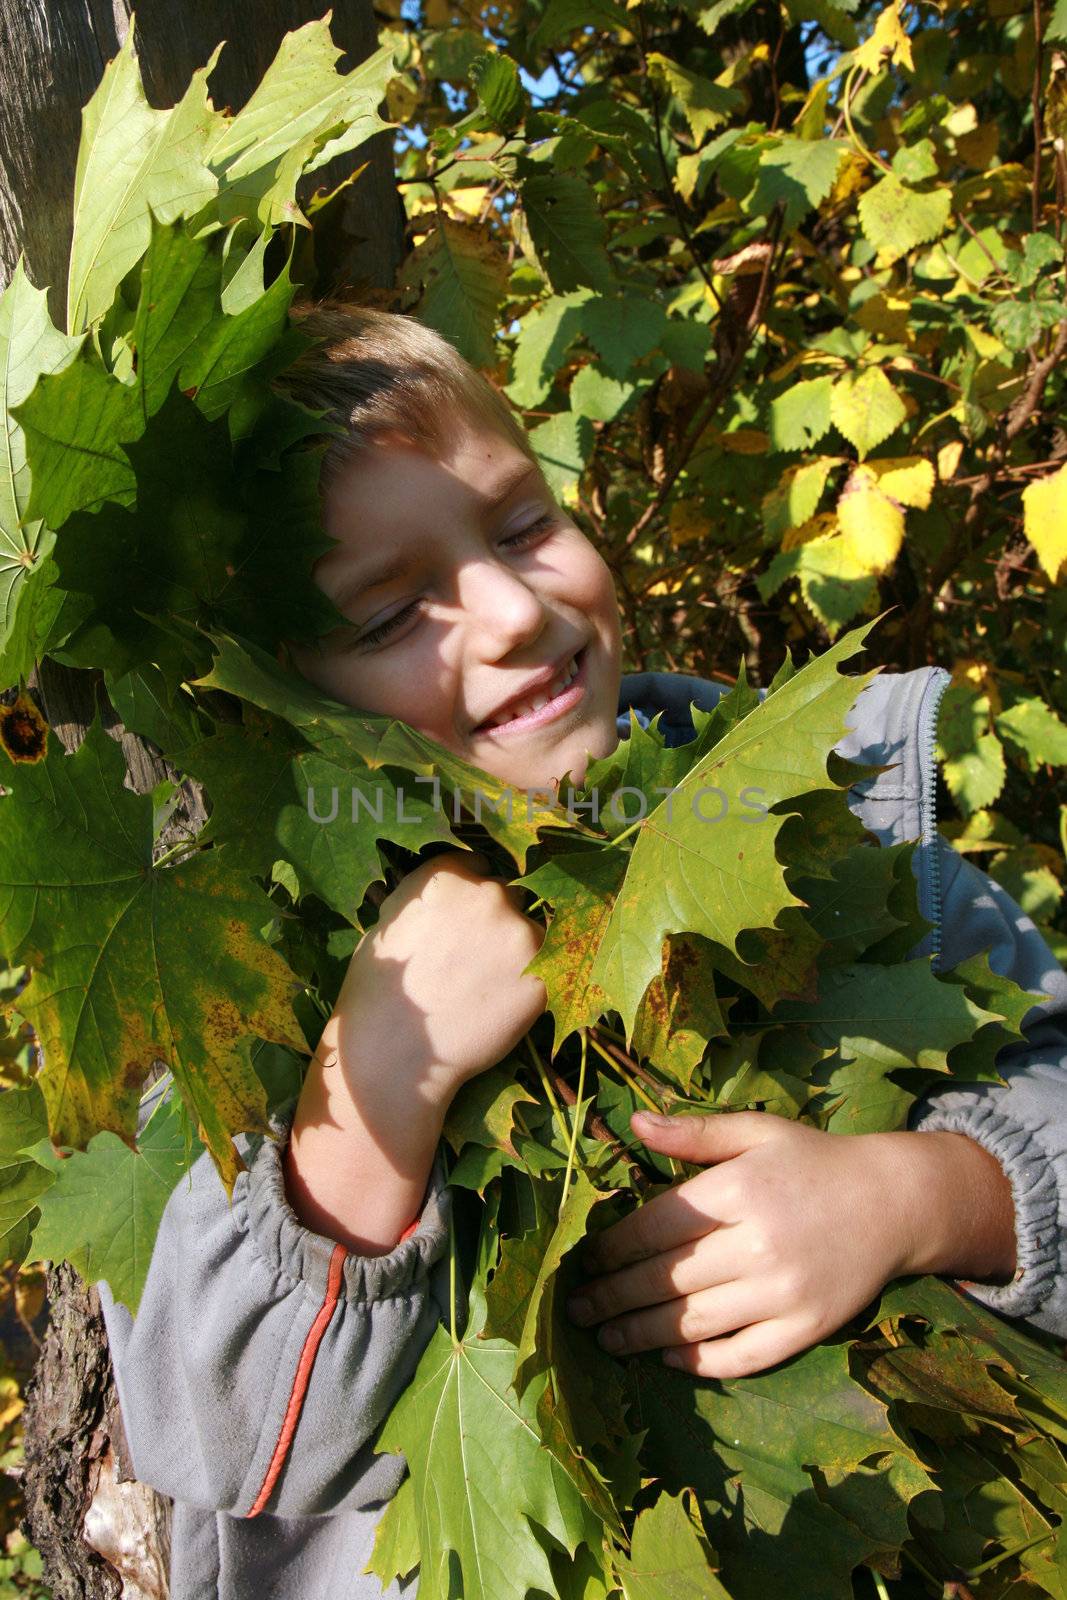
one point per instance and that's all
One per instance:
(928, 799)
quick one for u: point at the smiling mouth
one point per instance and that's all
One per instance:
(563, 693)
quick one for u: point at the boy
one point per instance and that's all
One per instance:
(272, 1339)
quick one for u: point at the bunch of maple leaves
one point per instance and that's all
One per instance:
(166, 496)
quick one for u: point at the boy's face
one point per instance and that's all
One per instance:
(495, 593)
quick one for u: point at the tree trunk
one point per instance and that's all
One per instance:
(101, 1534)
(52, 55)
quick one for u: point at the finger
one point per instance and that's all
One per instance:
(752, 1349)
(648, 1283)
(686, 1320)
(664, 1224)
(705, 1139)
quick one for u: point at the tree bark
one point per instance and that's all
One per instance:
(52, 56)
(101, 1534)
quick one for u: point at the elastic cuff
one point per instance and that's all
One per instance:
(1035, 1193)
(261, 1205)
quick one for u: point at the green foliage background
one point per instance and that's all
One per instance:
(780, 292)
(736, 263)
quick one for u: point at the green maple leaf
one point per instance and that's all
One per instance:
(580, 1406)
(302, 113)
(205, 540)
(879, 1020)
(133, 962)
(668, 1559)
(273, 796)
(482, 1479)
(352, 738)
(744, 1446)
(133, 161)
(462, 276)
(685, 875)
(29, 346)
(484, 1110)
(102, 1212)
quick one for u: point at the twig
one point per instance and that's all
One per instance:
(1035, 197)
(675, 197)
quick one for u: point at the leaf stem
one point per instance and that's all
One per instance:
(578, 1115)
(546, 1084)
(1005, 1555)
(879, 1584)
(452, 1278)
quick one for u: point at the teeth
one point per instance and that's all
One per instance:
(524, 707)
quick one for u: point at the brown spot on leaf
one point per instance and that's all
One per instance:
(23, 730)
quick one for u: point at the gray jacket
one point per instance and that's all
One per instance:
(245, 1308)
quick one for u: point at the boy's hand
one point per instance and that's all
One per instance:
(436, 987)
(790, 1234)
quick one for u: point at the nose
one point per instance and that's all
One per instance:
(505, 610)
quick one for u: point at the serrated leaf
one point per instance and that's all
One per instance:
(1036, 729)
(29, 346)
(696, 865)
(103, 1211)
(459, 1408)
(871, 523)
(1045, 521)
(866, 408)
(896, 218)
(302, 113)
(133, 962)
(705, 105)
(484, 1110)
(889, 39)
(133, 161)
(762, 1429)
(461, 277)
(795, 498)
(797, 174)
(563, 444)
(972, 757)
(801, 415)
(496, 82)
(545, 335)
(75, 424)
(568, 231)
(23, 1121)
(668, 1559)
(207, 540)
(1016, 323)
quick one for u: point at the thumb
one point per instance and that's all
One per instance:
(703, 1139)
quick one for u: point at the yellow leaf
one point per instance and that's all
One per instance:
(948, 459)
(745, 442)
(850, 178)
(909, 480)
(468, 202)
(688, 521)
(822, 526)
(888, 35)
(978, 147)
(885, 314)
(872, 525)
(1045, 521)
(984, 343)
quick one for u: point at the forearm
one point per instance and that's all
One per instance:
(957, 1212)
(362, 1145)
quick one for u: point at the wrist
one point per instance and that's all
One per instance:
(953, 1206)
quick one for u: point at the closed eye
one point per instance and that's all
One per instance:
(382, 630)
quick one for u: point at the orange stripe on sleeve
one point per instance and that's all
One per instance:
(300, 1382)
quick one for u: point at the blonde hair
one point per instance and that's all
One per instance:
(375, 372)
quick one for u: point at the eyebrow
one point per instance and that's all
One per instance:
(399, 564)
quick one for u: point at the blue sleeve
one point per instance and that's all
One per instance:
(1023, 1122)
